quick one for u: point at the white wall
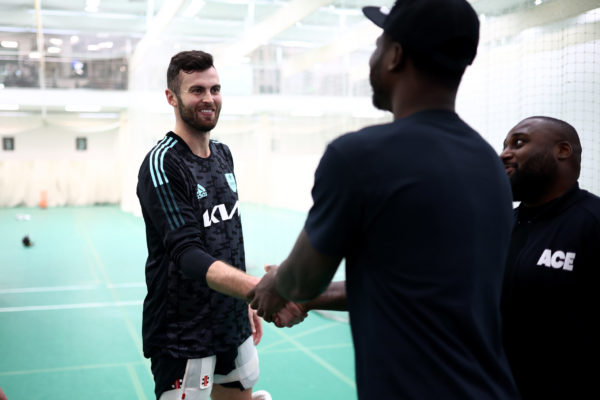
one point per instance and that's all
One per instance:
(45, 159)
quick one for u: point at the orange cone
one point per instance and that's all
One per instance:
(43, 199)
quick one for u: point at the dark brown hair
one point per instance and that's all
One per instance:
(188, 62)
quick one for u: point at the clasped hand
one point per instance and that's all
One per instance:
(269, 304)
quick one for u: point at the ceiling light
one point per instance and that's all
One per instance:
(105, 45)
(74, 39)
(93, 47)
(56, 41)
(538, 2)
(34, 54)
(9, 44)
(82, 108)
(53, 50)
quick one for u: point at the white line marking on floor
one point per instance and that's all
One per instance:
(315, 357)
(127, 285)
(291, 350)
(72, 306)
(296, 336)
(137, 385)
(123, 285)
(48, 289)
(73, 368)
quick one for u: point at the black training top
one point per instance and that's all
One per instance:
(190, 206)
(551, 297)
(421, 210)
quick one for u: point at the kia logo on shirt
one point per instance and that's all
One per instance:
(220, 211)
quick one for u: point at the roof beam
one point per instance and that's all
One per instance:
(159, 23)
(41, 50)
(261, 33)
(360, 37)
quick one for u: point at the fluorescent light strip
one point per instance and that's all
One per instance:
(16, 113)
(9, 44)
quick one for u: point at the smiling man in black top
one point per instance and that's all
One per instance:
(550, 293)
(196, 326)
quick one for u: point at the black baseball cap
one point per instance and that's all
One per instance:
(444, 31)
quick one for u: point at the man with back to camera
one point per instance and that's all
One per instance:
(420, 208)
(550, 295)
(196, 326)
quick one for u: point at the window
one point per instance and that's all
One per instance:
(81, 143)
(8, 143)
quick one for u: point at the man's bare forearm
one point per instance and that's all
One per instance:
(306, 273)
(333, 298)
(229, 280)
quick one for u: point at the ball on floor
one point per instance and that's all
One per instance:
(27, 242)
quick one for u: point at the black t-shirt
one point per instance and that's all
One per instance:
(421, 210)
(190, 203)
(550, 299)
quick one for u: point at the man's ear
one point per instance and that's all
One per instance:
(171, 98)
(563, 150)
(396, 57)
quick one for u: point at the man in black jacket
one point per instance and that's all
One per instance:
(550, 294)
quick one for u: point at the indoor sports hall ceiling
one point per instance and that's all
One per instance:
(95, 44)
(113, 28)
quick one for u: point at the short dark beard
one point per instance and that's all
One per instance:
(534, 178)
(379, 100)
(188, 115)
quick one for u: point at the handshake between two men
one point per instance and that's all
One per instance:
(272, 306)
(303, 282)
